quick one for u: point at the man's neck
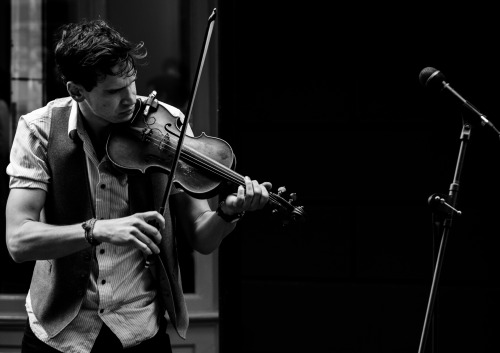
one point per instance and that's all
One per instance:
(98, 131)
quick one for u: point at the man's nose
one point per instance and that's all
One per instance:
(129, 95)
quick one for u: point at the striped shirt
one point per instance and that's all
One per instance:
(121, 292)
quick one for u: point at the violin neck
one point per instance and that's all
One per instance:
(231, 176)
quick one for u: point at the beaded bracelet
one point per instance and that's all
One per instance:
(88, 226)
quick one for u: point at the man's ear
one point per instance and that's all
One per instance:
(75, 91)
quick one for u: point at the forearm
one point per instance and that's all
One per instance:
(209, 231)
(35, 240)
(205, 228)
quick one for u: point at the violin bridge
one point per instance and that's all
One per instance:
(164, 142)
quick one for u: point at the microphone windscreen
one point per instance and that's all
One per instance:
(431, 78)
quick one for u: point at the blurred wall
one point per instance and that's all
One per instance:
(160, 31)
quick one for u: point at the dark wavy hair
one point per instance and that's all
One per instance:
(86, 52)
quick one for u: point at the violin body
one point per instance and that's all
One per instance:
(148, 143)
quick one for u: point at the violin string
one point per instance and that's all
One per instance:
(208, 163)
(215, 167)
(200, 160)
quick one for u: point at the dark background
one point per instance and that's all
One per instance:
(325, 100)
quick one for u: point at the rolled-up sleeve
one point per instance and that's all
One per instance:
(28, 156)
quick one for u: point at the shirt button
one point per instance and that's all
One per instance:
(101, 251)
(103, 186)
(103, 281)
(101, 311)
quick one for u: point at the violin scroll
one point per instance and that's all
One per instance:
(282, 206)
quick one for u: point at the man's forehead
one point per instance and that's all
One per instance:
(117, 81)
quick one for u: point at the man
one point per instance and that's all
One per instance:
(89, 226)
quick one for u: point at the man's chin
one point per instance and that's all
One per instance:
(125, 117)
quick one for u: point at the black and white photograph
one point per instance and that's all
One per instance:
(222, 176)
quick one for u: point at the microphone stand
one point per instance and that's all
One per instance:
(447, 206)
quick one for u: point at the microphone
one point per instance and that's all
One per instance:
(435, 80)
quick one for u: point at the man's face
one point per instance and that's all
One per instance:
(111, 101)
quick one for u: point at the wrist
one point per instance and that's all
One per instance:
(88, 227)
(223, 213)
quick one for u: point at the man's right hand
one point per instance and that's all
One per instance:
(136, 230)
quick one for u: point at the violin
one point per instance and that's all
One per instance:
(147, 143)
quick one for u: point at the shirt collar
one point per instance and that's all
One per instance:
(73, 118)
(74, 125)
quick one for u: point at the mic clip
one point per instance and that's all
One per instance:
(439, 203)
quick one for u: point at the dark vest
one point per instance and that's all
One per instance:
(59, 285)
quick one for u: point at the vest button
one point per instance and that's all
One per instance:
(103, 186)
(101, 251)
(103, 281)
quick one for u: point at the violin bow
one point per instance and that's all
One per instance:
(185, 123)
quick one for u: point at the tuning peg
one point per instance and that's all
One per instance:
(293, 197)
(281, 190)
